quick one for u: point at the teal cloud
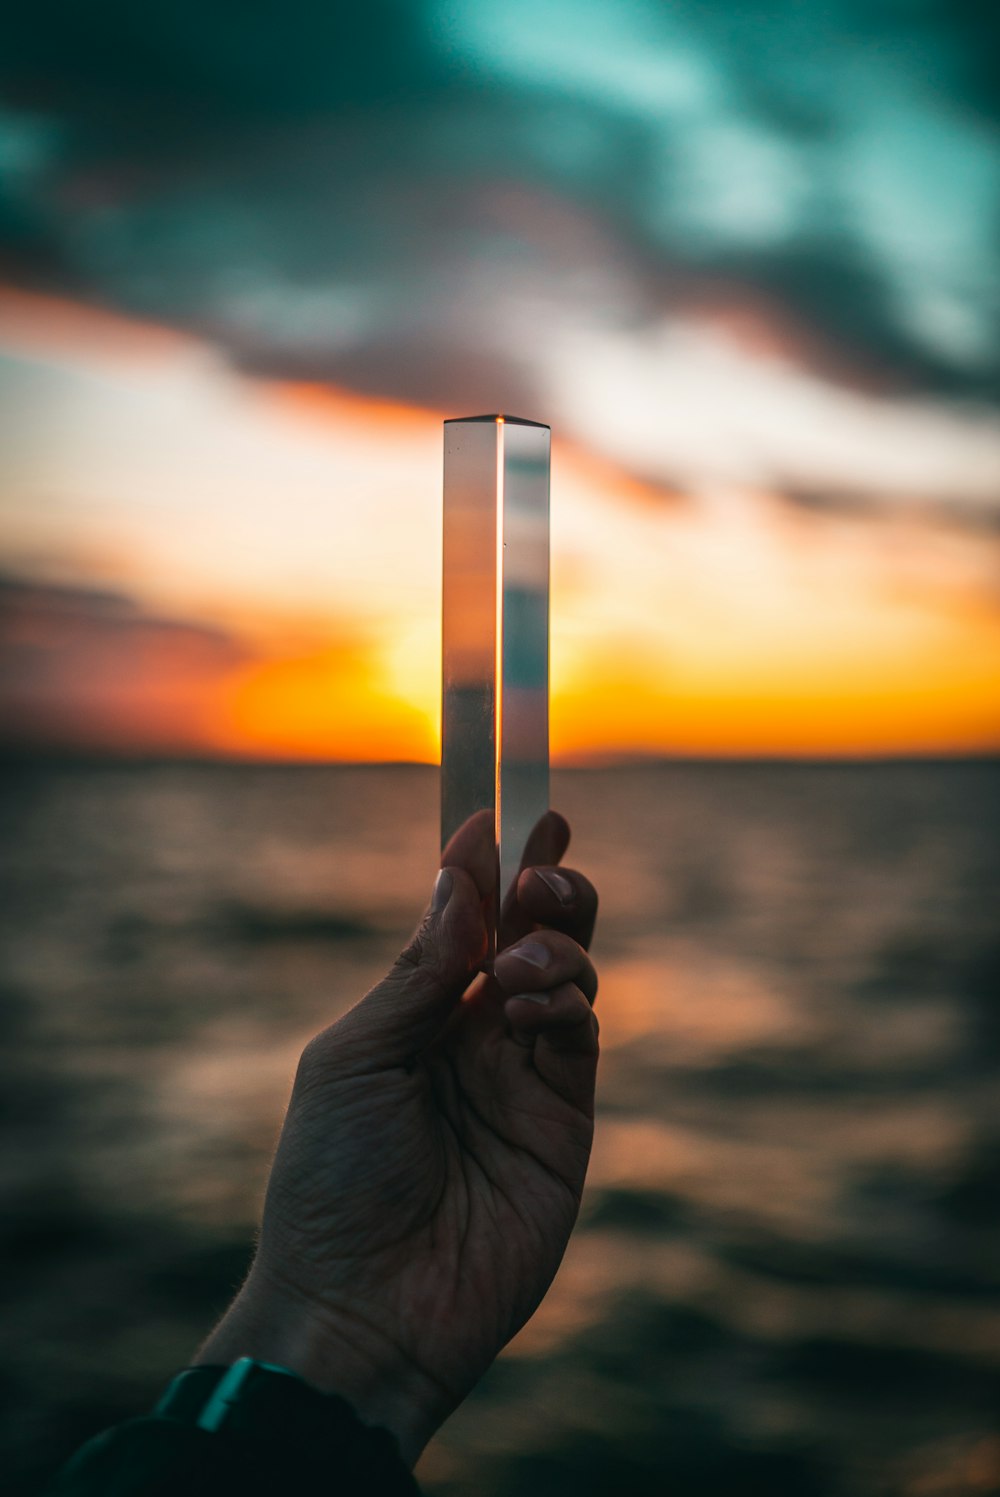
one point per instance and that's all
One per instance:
(401, 197)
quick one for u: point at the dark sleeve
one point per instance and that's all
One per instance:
(154, 1457)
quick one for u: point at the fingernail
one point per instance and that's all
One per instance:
(442, 891)
(559, 884)
(533, 952)
(532, 997)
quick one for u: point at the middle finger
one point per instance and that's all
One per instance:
(545, 959)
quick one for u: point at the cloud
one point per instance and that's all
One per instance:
(185, 66)
(85, 667)
(845, 145)
(691, 406)
(314, 183)
(90, 670)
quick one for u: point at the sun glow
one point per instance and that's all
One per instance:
(278, 580)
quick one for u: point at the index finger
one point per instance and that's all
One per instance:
(559, 899)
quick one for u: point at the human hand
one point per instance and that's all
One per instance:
(431, 1163)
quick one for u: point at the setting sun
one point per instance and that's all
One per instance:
(269, 586)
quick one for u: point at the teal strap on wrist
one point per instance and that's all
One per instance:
(210, 1397)
(227, 1391)
(262, 1404)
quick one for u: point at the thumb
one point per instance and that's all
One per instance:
(404, 1012)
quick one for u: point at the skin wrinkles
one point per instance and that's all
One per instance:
(433, 1156)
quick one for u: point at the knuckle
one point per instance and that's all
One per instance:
(416, 973)
(415, 952)
(314, 1058)
(409, 957)
(582, 964)
(564, 948)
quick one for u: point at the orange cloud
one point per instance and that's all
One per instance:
(328, 405)
(90, 670)
(37, 323)
(727, 622)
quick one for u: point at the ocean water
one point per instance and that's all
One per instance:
(786, 1276)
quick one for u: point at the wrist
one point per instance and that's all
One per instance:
(335, 1353)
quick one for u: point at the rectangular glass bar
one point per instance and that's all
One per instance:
(495, 629)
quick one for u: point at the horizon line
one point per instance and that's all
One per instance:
(126, 758)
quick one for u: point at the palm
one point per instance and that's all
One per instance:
(431, 1163)
(457, 1184)
(493, 1206)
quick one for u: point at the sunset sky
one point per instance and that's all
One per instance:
(742, 260)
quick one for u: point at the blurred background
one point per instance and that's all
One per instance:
(744, 260)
